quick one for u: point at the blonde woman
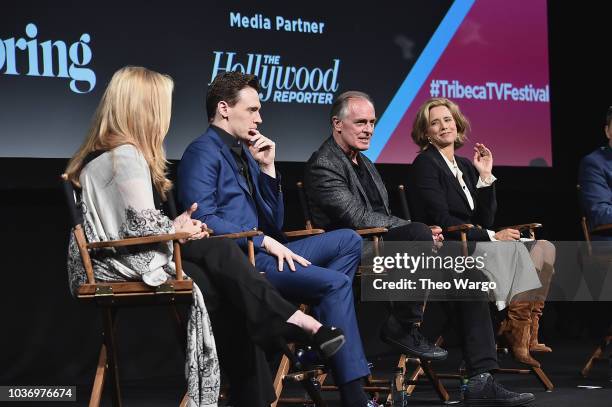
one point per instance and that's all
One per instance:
(121, 172)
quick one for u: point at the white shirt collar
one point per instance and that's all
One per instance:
(451, 165)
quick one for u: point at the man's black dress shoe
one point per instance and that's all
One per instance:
(329, 340)
(483, 390)
(410, 340)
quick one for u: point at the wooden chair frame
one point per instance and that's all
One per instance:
(423, 368)
(282, 376)
(463, 229)
(597, 355)
(403, 382)
(538, 372)
(587, 231)
(304, 377)
(109, 297)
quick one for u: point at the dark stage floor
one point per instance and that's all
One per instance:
(562, 367)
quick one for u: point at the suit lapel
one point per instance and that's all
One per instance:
(380, 187)
(254, 170)
(349, 169)
(227, 154)
(447, 171)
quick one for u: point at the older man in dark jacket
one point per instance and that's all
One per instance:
(344, 189)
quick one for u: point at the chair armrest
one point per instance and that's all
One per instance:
(602, 229)
(132, 241)
(240, 235)
(367, 232)
(123, 288)
(304, 232)
(522, 226)
(459, 228)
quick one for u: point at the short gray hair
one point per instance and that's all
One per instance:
(340, 105)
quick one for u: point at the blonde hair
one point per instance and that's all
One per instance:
(135, 109)
(421, 122)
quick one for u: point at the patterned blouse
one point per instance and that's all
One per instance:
(117, 202)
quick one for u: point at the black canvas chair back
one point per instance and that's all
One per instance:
(304, 205)
(401, 191)
(587, 230)
(76, 217)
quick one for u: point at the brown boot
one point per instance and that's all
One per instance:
(536, 313)
(516, 329)
(538, 306)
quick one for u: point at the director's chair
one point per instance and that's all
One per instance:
(588, 232)
(402, 383)
(462, 230)
(110, 297)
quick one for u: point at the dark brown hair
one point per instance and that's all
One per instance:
(225, 87)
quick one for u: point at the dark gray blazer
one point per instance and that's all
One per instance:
(335, 196)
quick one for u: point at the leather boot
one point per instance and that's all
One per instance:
(516, 330)
(536, 313)
(538, 306)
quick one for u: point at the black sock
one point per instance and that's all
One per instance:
(352, 394)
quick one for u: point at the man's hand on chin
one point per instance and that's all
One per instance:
(263, 151)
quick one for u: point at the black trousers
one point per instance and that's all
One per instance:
(472, 319)
(247, 315)
(408, 313)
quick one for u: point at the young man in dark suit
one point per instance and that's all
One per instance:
(230, 172)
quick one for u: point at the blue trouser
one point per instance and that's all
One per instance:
(326, 285)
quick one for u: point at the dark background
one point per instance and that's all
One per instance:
(42, 117)
(48, 338)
